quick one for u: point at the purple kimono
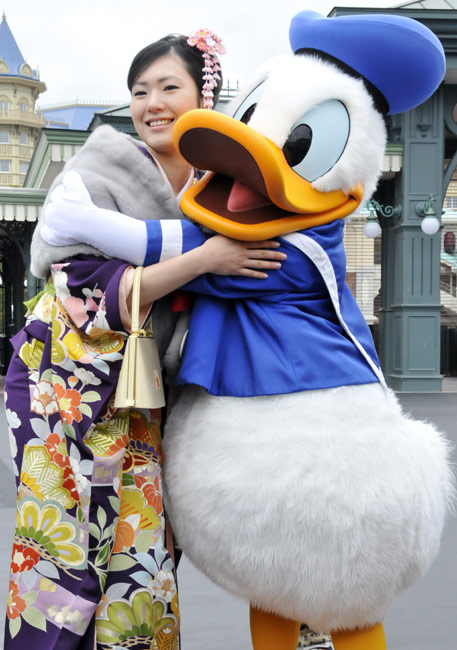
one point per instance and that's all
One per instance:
(89, 559)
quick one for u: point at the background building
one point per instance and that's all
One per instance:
(412, 293)
(72, 115)
(404, 281)
(19, 124)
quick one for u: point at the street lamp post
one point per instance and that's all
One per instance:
(409, 321)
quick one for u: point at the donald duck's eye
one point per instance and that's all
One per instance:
(298, 144)
(246, 109)
(248, 114)
(318, 139)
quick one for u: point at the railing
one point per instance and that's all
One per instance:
(446, 287)
(50, 119)
(16, 151)
(80, 102)
(11, 180)
(23, 117)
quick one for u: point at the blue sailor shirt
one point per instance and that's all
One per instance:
(277, 335)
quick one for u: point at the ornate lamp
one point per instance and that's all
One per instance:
(372, 227)
(430, 223)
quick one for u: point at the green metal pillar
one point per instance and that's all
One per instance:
(410, 311)
(34, 285)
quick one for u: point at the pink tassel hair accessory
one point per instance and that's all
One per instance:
(211, 45)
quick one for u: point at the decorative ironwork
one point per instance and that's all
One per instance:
(384, 210)
(428, 206)
(12, 235)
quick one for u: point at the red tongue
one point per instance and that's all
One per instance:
(243, 197)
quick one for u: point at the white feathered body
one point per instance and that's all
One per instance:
(320, 505)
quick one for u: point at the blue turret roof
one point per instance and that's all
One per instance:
(9, 50)
(72, 116)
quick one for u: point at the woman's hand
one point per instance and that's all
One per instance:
(219, 255)
(224, 256)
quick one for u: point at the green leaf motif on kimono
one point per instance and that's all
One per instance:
(15, 626)
(109, 530)
(69, 430)
(30, 597)
(34, 617)
(90, 396)
(121, 562)
(85, 410)
(94, 530)
(102, 579)
(80, 515)
(103, 555)
(101, 517)
(47, 376)
(115, 503)
(58, 380)
(127, 480)
(144, 540)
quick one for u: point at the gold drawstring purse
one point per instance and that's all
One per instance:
(140, 380)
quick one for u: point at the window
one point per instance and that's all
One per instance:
(24, 139)
(4, 137)
(5, 165)
(23, 107)
(451, 202)
(24, 167)
(377, 250)
(4, 108)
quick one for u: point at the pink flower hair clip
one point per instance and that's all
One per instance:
(210, 44)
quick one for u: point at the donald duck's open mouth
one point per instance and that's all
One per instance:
(250, 192)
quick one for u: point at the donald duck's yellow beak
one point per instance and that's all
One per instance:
(251, 193)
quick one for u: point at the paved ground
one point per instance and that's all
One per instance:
(424, 618)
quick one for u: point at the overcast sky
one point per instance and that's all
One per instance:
(83, 48)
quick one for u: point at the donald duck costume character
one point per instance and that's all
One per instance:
(294, 479)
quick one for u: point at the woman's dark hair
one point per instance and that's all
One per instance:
(172, 44)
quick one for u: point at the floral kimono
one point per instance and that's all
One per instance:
(89, 559)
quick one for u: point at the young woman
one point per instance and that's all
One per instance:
(90, 563)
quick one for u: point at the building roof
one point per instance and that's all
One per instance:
(450, 258)
(428, 4)
(10, 52)
(74, 115)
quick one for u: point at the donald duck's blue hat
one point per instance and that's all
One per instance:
(397, 56)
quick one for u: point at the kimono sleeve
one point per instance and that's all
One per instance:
(88, 290)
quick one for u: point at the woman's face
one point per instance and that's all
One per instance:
(160, 94)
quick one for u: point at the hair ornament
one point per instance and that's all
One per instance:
(210, 44)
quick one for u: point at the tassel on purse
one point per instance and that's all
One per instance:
(140, 379)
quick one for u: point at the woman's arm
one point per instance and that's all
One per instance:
(71, 217)
(218, 255)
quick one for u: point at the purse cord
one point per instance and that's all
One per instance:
(135, 329)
